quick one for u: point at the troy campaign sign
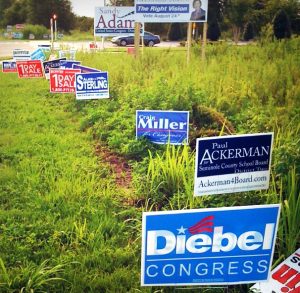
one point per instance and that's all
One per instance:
(284, 278)
(30, 69)
(92, 85)
(62, 80)
(112, 21)
(207, 246)
(162, 127)
(233, 163)
(170, 11)
(9, 66)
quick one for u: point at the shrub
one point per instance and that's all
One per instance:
(37, 30)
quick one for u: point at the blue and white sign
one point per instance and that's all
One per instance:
(51, 64)
(92, 85)
(85, 69)
(208, 246)
(171, 11)
(233, 163)
(38, 54)
(163, 127)
(114, 20)
(68, 64)
(20, 54)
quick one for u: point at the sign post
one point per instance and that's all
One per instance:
(204, 41)
(189, 42)
(137, 27)
(51, 29)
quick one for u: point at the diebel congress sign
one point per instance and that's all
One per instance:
(92, 85)
(208, 246)
(162, 127)
(232, 163)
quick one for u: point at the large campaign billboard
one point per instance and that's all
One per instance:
(234, 163)
(112, 21)
(208, 246)
(284, 278)
(171, 11)
(163, 127)
(92, 85)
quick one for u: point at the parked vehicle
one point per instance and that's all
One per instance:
(149, 40)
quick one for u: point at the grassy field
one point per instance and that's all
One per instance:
(67, 226)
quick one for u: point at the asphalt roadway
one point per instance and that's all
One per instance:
(7, 47)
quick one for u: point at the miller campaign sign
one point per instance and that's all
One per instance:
(208, 246)
(171, 11)
(284, 278)
(233, 163)
(163, 127)
(112, 21)
(20, 54)
(62, 80)
(92, 85)
(9, 66)
(51, 64)
(30, 69)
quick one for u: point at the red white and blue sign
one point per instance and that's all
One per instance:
(233, 163)
(163, 127)
(92, 85)
(208, 246)
(9, 66)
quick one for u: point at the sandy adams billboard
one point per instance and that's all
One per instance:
(171, 10)
(112, 21)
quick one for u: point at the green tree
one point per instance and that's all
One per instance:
(213, 31)
(15, 13)
(4, 4)
(281, 25)
(175, 32)
(248, 32)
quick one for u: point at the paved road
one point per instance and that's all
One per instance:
(6, 47)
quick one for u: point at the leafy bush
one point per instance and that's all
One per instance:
(37, 30)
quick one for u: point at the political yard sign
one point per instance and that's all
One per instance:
(68, 64)
(171, 11)
(92, 85)
(62, 80)
(30, 69)
(207, 246)
(38, 54)
(232, 163)
(284, 278)
(9, 66)
(51, 64)
(112, 21)
(163, 127)
(85, 69)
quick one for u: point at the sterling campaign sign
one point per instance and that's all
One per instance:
(30, 69)
(9, 66)
(162, 127)
(208, 246)
(112, 21)
(92, 85)
(62, 80)
(284, 278)
(170, 11)
(232, 163)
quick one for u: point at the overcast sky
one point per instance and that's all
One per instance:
(86, 7)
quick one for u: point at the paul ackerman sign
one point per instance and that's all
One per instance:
(208, 246)
(284, 278)
(171, 11)
(112, 21)
(92, 85)
(232, 163)
(162, 127)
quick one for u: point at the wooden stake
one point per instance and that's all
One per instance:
(137, 28)
(189, 42)
(204, 41)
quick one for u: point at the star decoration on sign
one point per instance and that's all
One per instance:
(181, 230)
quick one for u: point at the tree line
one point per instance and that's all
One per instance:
(239, 18)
